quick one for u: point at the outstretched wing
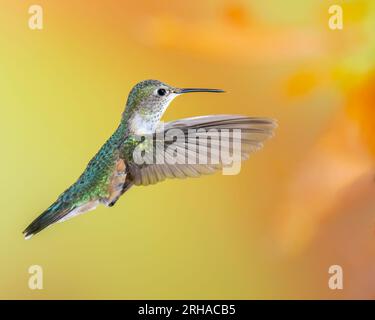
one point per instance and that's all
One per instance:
(198, 146)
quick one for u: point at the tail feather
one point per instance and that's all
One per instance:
(53, 214)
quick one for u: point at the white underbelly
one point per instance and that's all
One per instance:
(80, 210)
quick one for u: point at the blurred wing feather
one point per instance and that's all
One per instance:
(254, 131)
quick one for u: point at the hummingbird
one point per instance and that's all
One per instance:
(113, 170)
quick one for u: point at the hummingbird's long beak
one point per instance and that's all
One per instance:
(187, 90)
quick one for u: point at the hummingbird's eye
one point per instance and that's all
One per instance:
(162, 92)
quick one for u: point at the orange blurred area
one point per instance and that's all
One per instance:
(361, 102)
(303, 203)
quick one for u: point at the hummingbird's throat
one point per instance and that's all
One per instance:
(145, 119)
(143, 124)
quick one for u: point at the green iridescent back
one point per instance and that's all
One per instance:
(94, 181)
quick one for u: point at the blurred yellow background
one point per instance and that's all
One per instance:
(302, 204)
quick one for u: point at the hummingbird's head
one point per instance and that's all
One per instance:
(148, 101)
